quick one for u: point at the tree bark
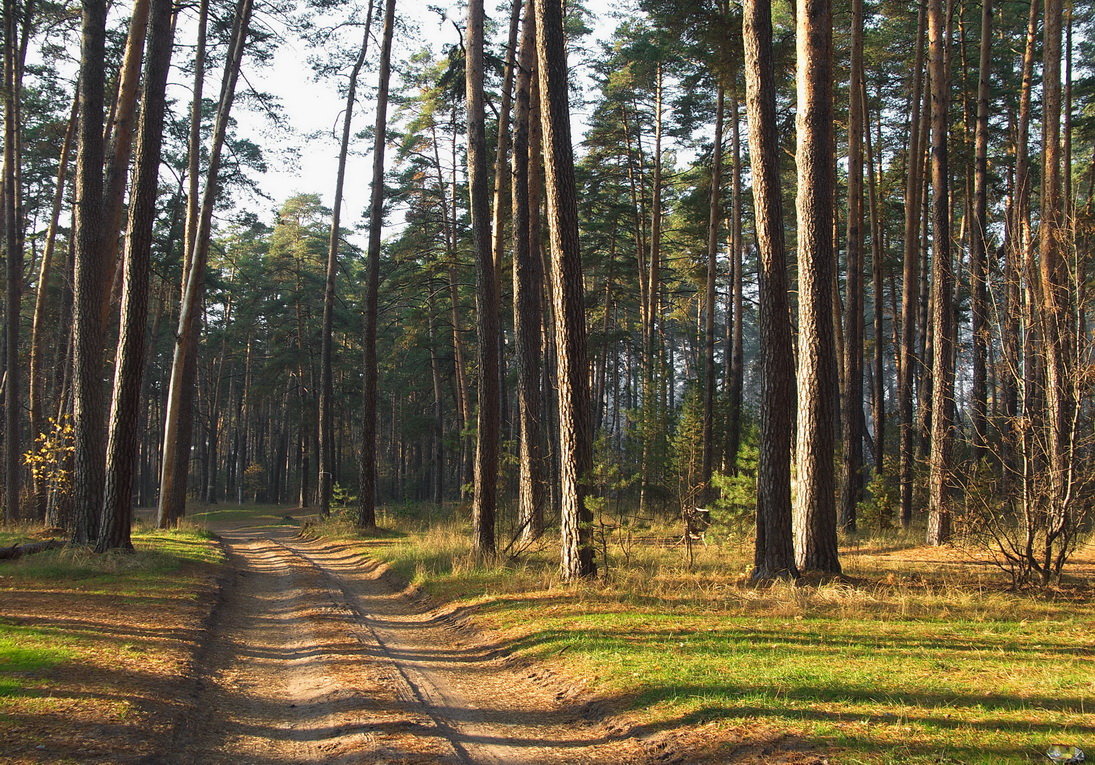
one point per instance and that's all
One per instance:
(736, 352)
(87, 324)
(852, 421)
(485, 493)
(366, 515)
(575, 431)
(939, 461)
(120, 149)
(714, 220)
(1017, 251)
(38, 330)
(774, 555)
(815, 506)
(878, 396)
(13, 255)
(125, 410)
(910, 283)
(1054, 319)
(177, 425)
(528, 291)
(979, 235)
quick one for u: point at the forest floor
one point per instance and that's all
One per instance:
(916, 655)
(95, 650)
(277, 646)
(310, 652)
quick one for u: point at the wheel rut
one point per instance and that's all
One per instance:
(315, 655)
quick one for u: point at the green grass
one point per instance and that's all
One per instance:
(26, 653)
(910, 662)
(164, 568)
(156, 555)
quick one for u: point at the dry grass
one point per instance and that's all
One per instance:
(916, 655)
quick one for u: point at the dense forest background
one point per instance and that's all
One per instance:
(830, 267)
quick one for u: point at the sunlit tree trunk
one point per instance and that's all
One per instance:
(714, 221)
(125, 408)
(120, 148)
(852, 422)
(1055, 318)
(735, 319)
(979, 237)
(575, 417)
(87, 325)
(774, 555)
(485, 494)
(939, 460)
(179, 417)
(528, 292)
(13, 255)
(878, 394)
(910, 303)
(38, 328)
(815, 505)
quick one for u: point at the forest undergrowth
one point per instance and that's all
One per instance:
(93, 646)
(916, 654)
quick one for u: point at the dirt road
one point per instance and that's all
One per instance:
(315, 656)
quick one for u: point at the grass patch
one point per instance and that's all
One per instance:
(26, 653)
(92, 645)
(156, 555)
(920, 655)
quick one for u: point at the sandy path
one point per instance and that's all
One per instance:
(315, 656)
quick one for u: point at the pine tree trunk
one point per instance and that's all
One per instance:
(736, 353)
(910, 283)
(87, 325)
(438, 446)
(979, 237)
(528, 292)
(366, 516)
(575, 431)
(878, 394)
(485, 492)
(13, 256)
(942, 287)
(38, 330)
(1016, 255)
(120, 150)
(652, 404)
(179, 420)
(714, 221)
(130, 358)
(774, 552)
(326, 385)
(852, 423)
(1055, 318)
(815, 505)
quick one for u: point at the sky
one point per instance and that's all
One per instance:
(313, 110)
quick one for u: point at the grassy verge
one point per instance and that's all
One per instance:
(92, 647)
(920, 656)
